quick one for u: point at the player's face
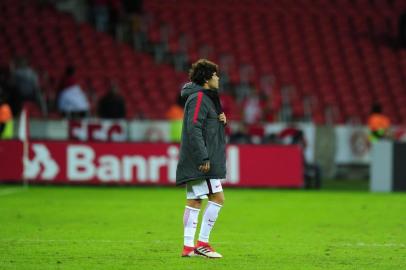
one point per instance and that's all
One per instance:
(214, 81)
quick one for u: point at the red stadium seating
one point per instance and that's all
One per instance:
(53, 40)
(336, 51)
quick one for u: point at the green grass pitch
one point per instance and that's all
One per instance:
(141, 228)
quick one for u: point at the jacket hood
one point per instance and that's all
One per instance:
(190, 88)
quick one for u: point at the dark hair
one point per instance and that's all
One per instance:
(70, 70)
(2, 96)
(21, 61)
(376, 108)
(180, 101)
(202, 70)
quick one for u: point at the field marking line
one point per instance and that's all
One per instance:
(9, 191)
(74, 240)
(362, 244)
(354, 245)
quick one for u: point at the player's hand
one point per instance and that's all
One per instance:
(205, 167)
(223, 118)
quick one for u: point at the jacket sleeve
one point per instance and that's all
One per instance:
(196, 115)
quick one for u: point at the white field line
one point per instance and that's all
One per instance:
(71, 241)
(9, 191)
(368, 245)
(78, 241)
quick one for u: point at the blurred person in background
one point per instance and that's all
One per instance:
(10, 91)
(112, 104)
(402, 29)
(292, 135)
(104, 14)
(99, 14)
(253, 107)
(175, 117)
(71, 101)
(25, 81)
(378, 123)
(6, 118)
(202, 157)
(133, 6)
(68, 79)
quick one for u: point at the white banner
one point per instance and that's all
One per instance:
(149, 131)
(353, 146)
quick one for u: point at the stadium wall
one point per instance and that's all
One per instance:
(96, 163)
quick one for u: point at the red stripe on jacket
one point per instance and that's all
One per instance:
(199, 101)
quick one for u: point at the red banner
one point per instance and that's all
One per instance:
(146, 164)
(11, 160)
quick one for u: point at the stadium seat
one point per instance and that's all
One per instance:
(303, 43)
(53, 40)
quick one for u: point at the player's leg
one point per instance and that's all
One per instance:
(214, 205)
(210, 215)
(190, 219)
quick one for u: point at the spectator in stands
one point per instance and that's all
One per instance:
(267, 85)
(68, 79)
(175, 112)
(175, 117)
(241, 92)
(133, 6)
(402, 29)
(112, 104)
(268, 108)
(9, 91)
(25, 81)
(286, 113)
(104, 14)
(378, 123)
(253, 107)
(99, 14)
(294, 135)
(6, 118)
(72, 101)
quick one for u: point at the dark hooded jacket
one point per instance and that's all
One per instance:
(203, 136)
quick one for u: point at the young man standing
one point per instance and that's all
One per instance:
(202, 158)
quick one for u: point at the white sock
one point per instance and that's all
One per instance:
(209, 218)
(190, 223)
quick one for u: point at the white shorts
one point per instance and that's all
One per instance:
(199, 189)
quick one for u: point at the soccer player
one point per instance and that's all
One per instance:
(202, 158)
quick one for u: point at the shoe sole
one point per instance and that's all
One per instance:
(193, 256)
(204, 255)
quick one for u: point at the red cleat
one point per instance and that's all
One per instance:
(188, 251)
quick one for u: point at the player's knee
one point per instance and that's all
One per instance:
(218, 198)
(221, 200)
(195, 203)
